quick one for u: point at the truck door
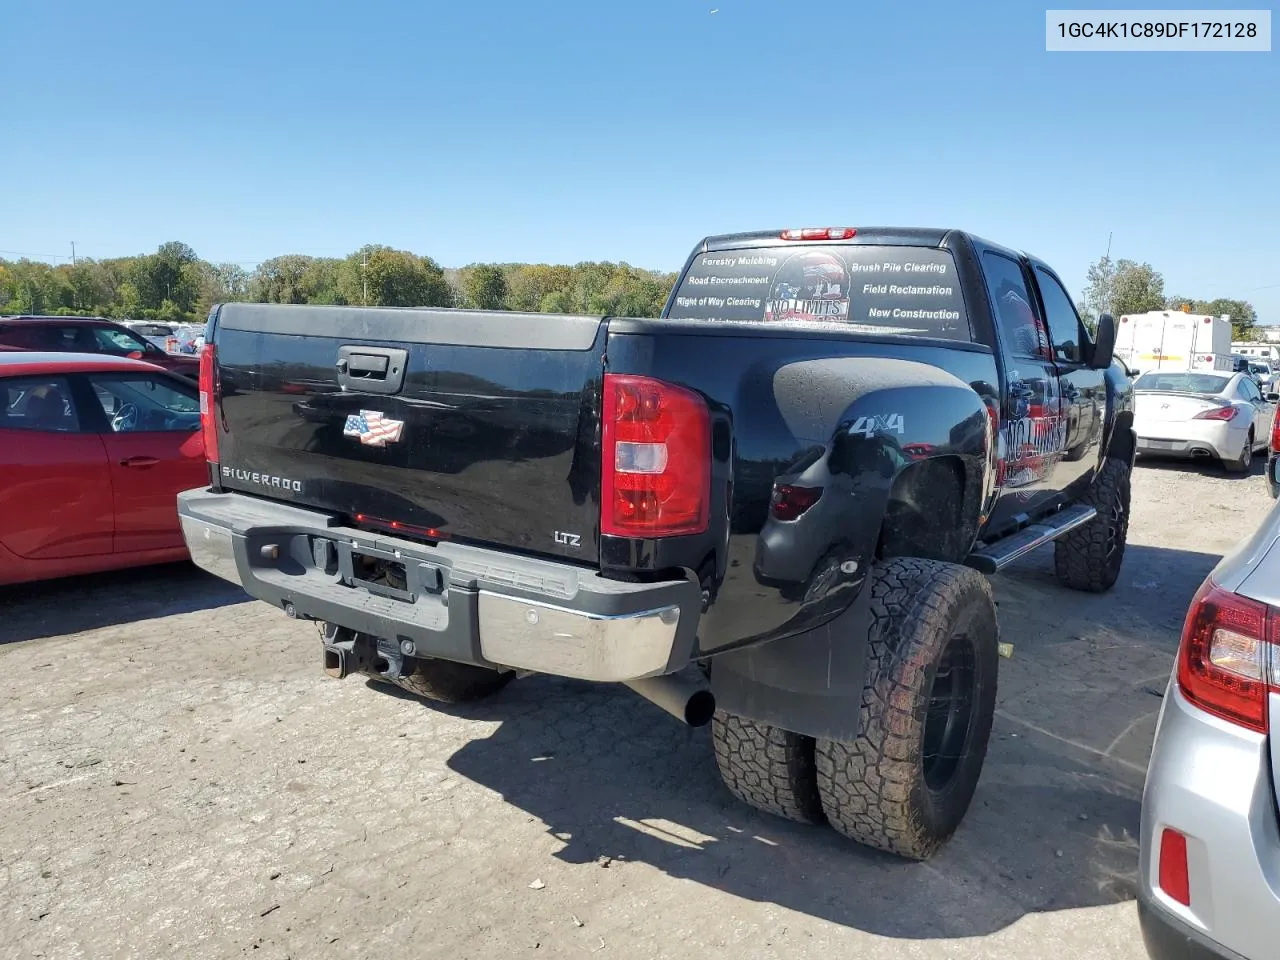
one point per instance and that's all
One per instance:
(1083, 390)
(1031, 423)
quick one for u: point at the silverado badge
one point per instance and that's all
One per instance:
(373, 429)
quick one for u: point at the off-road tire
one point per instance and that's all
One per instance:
(1089, 557)
(883, 789)
(1244, 462)
(445, 681)
(767, 767)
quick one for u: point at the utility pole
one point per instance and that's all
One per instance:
(1109, 235)
(364, 272)
(73, 253)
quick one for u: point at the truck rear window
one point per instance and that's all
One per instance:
(867, 288)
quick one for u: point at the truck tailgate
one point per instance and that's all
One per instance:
(480, 427)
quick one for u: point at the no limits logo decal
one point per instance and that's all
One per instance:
(810, 286)
(1035, 439)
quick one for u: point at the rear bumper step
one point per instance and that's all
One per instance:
(458, 602)
(996, 556)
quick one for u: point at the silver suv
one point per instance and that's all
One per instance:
(1210, 861)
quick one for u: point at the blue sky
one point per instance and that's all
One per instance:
(574, 130)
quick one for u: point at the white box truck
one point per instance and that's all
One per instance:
(1261, 351)
(1172, 340)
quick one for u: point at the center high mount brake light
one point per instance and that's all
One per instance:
(820, 233)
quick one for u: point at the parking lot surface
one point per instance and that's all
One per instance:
(178, 778)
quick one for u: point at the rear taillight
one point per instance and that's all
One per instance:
(1275, 432)
(789, 502)
(208, 403)
(1224, 662)
(1218, 413)
(820, 233)
(656, 469)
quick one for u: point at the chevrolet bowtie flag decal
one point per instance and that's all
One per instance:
(373, 428)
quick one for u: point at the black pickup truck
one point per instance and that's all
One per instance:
(795, 479)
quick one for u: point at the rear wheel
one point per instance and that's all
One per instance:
(767, 767)
(1242, 463)
(905, 783)
(1090, 556)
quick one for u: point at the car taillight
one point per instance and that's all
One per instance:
(1225, 659)
(208, 403)
(790, 502)
(1275, 432)
(656, 469)
(1218, 413)
(820, 233)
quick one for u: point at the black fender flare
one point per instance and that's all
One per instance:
(876, 431)
(1119, 439)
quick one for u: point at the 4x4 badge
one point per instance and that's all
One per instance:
(373, 428)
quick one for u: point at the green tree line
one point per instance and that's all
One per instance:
(175, 285)
(1121, 287)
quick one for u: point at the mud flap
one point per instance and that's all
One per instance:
(809, 684)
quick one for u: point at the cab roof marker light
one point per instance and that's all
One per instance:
(820, 233)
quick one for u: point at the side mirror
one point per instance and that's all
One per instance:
(1273, 398)
(135, 355)
(1104, 343)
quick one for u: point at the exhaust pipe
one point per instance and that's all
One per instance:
(687, 700)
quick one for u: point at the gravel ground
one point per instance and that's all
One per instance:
(179, 779)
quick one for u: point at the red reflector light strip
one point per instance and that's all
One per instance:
(1175, 875)
(655, 478)
(429, 532)
(820, 233)
(1225, 660)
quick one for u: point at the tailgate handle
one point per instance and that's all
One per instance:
(360, 364)
(372, 369)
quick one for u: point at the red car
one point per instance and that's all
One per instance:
(89, 335)
(93, 453)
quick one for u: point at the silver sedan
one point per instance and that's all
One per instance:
(1210, 839)
(1202, 414)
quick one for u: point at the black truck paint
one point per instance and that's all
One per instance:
(935, 445)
